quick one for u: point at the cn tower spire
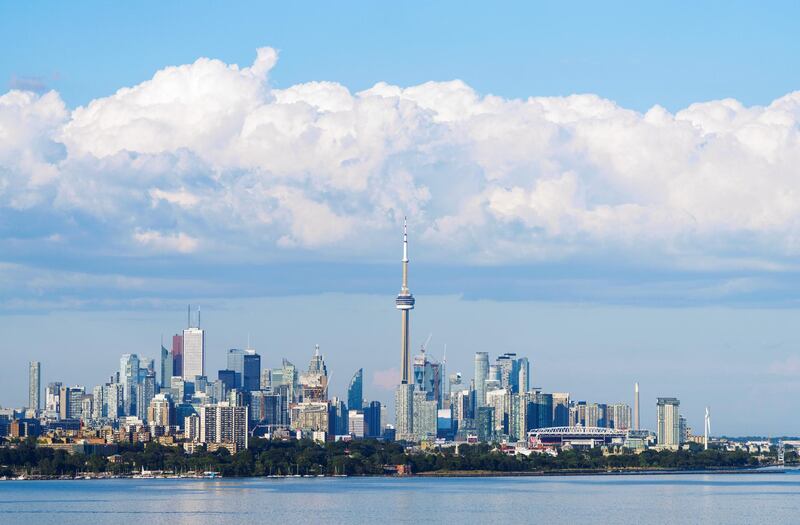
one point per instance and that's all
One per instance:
(404, 303)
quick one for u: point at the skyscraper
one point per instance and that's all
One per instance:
(34, 385)
(246, 364)
(355, 392)
(167, 363)
(669, 422)
(481, 375)
(194, 355)
(404, 397)
(177, 355)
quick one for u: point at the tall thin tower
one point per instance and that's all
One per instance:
(706, 428)
(404, 303)
(636, 406)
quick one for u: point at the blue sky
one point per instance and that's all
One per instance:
(610, 189)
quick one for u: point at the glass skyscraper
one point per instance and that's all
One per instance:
(355, 392)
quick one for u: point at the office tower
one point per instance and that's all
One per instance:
(52, 399)
(167, 363)
(246, 364)
(159, 411)
(178, 389)
(619, 416)
(518, 416)
(34, 385)
(424, 417)
(355, 423)
(177, 355)
(226, 424)
(355, 391)
(129, 369)
(71, 402)
(636, 406)
(314, 383)
(481, 375)
(194, 353)
(669, 422)
(404, 303)
(372, 419)
(404, 406)
(228, 379)
(561, 409)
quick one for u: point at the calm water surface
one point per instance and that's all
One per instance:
(686, 498)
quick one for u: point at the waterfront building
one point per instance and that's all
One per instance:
(355, 391)
(224, 424)
(668, 431)
(481, 376)
(34, 385)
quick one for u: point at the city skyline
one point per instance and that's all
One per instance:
(614, 212)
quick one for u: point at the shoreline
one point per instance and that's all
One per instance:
(439, 474)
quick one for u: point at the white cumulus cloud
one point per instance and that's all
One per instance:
(209, 152)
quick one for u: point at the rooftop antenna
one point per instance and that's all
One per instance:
(198, 316)
(188, 316)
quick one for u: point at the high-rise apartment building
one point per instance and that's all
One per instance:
(71, 402)
(424, 417)
(619, 416)
(668, 418)
(561, 409)
(34, 385)
(481, 376)
(404, 407)
(223, 423)
(52, 399)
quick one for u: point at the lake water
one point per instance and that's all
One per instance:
(641, 499)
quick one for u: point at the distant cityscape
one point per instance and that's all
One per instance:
(173, 400)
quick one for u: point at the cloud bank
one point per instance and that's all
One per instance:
(209, 161)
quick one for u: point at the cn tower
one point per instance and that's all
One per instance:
(404, 303)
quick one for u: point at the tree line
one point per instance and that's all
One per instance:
(356, 458)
